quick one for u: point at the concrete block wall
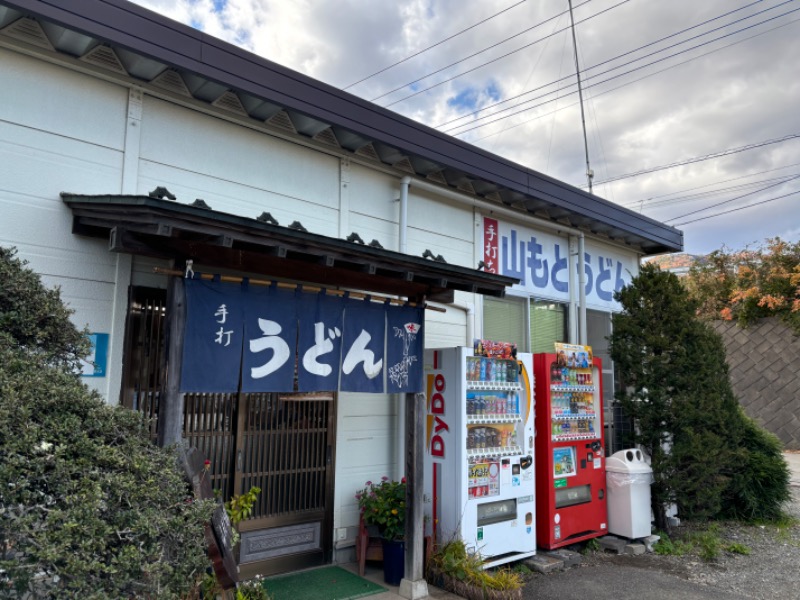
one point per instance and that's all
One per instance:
(763, 361)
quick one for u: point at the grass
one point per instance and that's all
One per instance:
(669, 547)
(591, 546)
(706, 543)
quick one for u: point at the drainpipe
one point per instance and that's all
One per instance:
(404, 184)
(583, 338)
(572, 315)
(469, 309)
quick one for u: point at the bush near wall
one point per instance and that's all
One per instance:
(708, 457)
(89, 508)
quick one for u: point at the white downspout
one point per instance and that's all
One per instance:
(572, 318)
(404, 184)
(469, 309)
(583, 339)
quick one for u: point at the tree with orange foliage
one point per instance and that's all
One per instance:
(749, 284)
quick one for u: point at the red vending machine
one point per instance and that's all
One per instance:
(570, 469)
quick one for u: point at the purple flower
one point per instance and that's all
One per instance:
(384, 478)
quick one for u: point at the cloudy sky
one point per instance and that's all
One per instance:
(692, 108)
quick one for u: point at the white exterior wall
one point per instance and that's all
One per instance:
(62, 130)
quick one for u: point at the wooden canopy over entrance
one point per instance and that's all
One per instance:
(167, 229)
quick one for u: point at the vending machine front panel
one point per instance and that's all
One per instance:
(479, 471)
(570, 486)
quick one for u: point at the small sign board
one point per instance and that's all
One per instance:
(95, 364)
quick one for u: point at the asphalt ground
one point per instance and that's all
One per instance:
(620, 580)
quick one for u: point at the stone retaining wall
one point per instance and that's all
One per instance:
(764, 362)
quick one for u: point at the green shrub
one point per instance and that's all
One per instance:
(707, 456)
(760, 488)
(35, 317)
(89, 508)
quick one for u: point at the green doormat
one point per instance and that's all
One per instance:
(326, 583)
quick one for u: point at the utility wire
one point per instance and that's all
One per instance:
(700, 187)
(494, 60)
(706, 22)
(432, 46)
(705, 195)
(642, 78)
(725, 212)
(704, 157)
(767, 187)
(617, 76)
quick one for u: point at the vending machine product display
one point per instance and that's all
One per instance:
(570, 480)
(479, 471)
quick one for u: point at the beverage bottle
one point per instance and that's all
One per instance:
(483, 369)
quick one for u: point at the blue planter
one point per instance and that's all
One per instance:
(394, 561)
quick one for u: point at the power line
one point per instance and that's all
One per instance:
(432, 46)
(642, 78)
(700, 187)
(651, 203)
(475, 112)
(725, 212)
(494, 60)
(613, 77)
(704, 157)
(767, 187)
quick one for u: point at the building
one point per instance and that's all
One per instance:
(108, 110)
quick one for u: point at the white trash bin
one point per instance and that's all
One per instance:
(628, 479)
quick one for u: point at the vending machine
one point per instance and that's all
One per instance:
(570, 469)
(479, 461)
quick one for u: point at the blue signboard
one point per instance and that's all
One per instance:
(277, 340)
(95, 364)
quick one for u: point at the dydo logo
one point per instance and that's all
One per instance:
(436, 425)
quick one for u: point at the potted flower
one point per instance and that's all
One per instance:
(383, 505)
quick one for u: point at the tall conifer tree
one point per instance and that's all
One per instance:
(676, 389)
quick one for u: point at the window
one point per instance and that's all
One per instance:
(548, 323)
(509, 320)
(505, 320)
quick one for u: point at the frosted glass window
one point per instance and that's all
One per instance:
(548, 322)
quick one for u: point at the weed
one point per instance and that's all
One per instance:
(522, 569)
(737, 548)
(708, 542)
(591, 546)
(668, 547)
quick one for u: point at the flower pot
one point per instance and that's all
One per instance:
(394, 561)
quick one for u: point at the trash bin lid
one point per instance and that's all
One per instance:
(627, 461)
